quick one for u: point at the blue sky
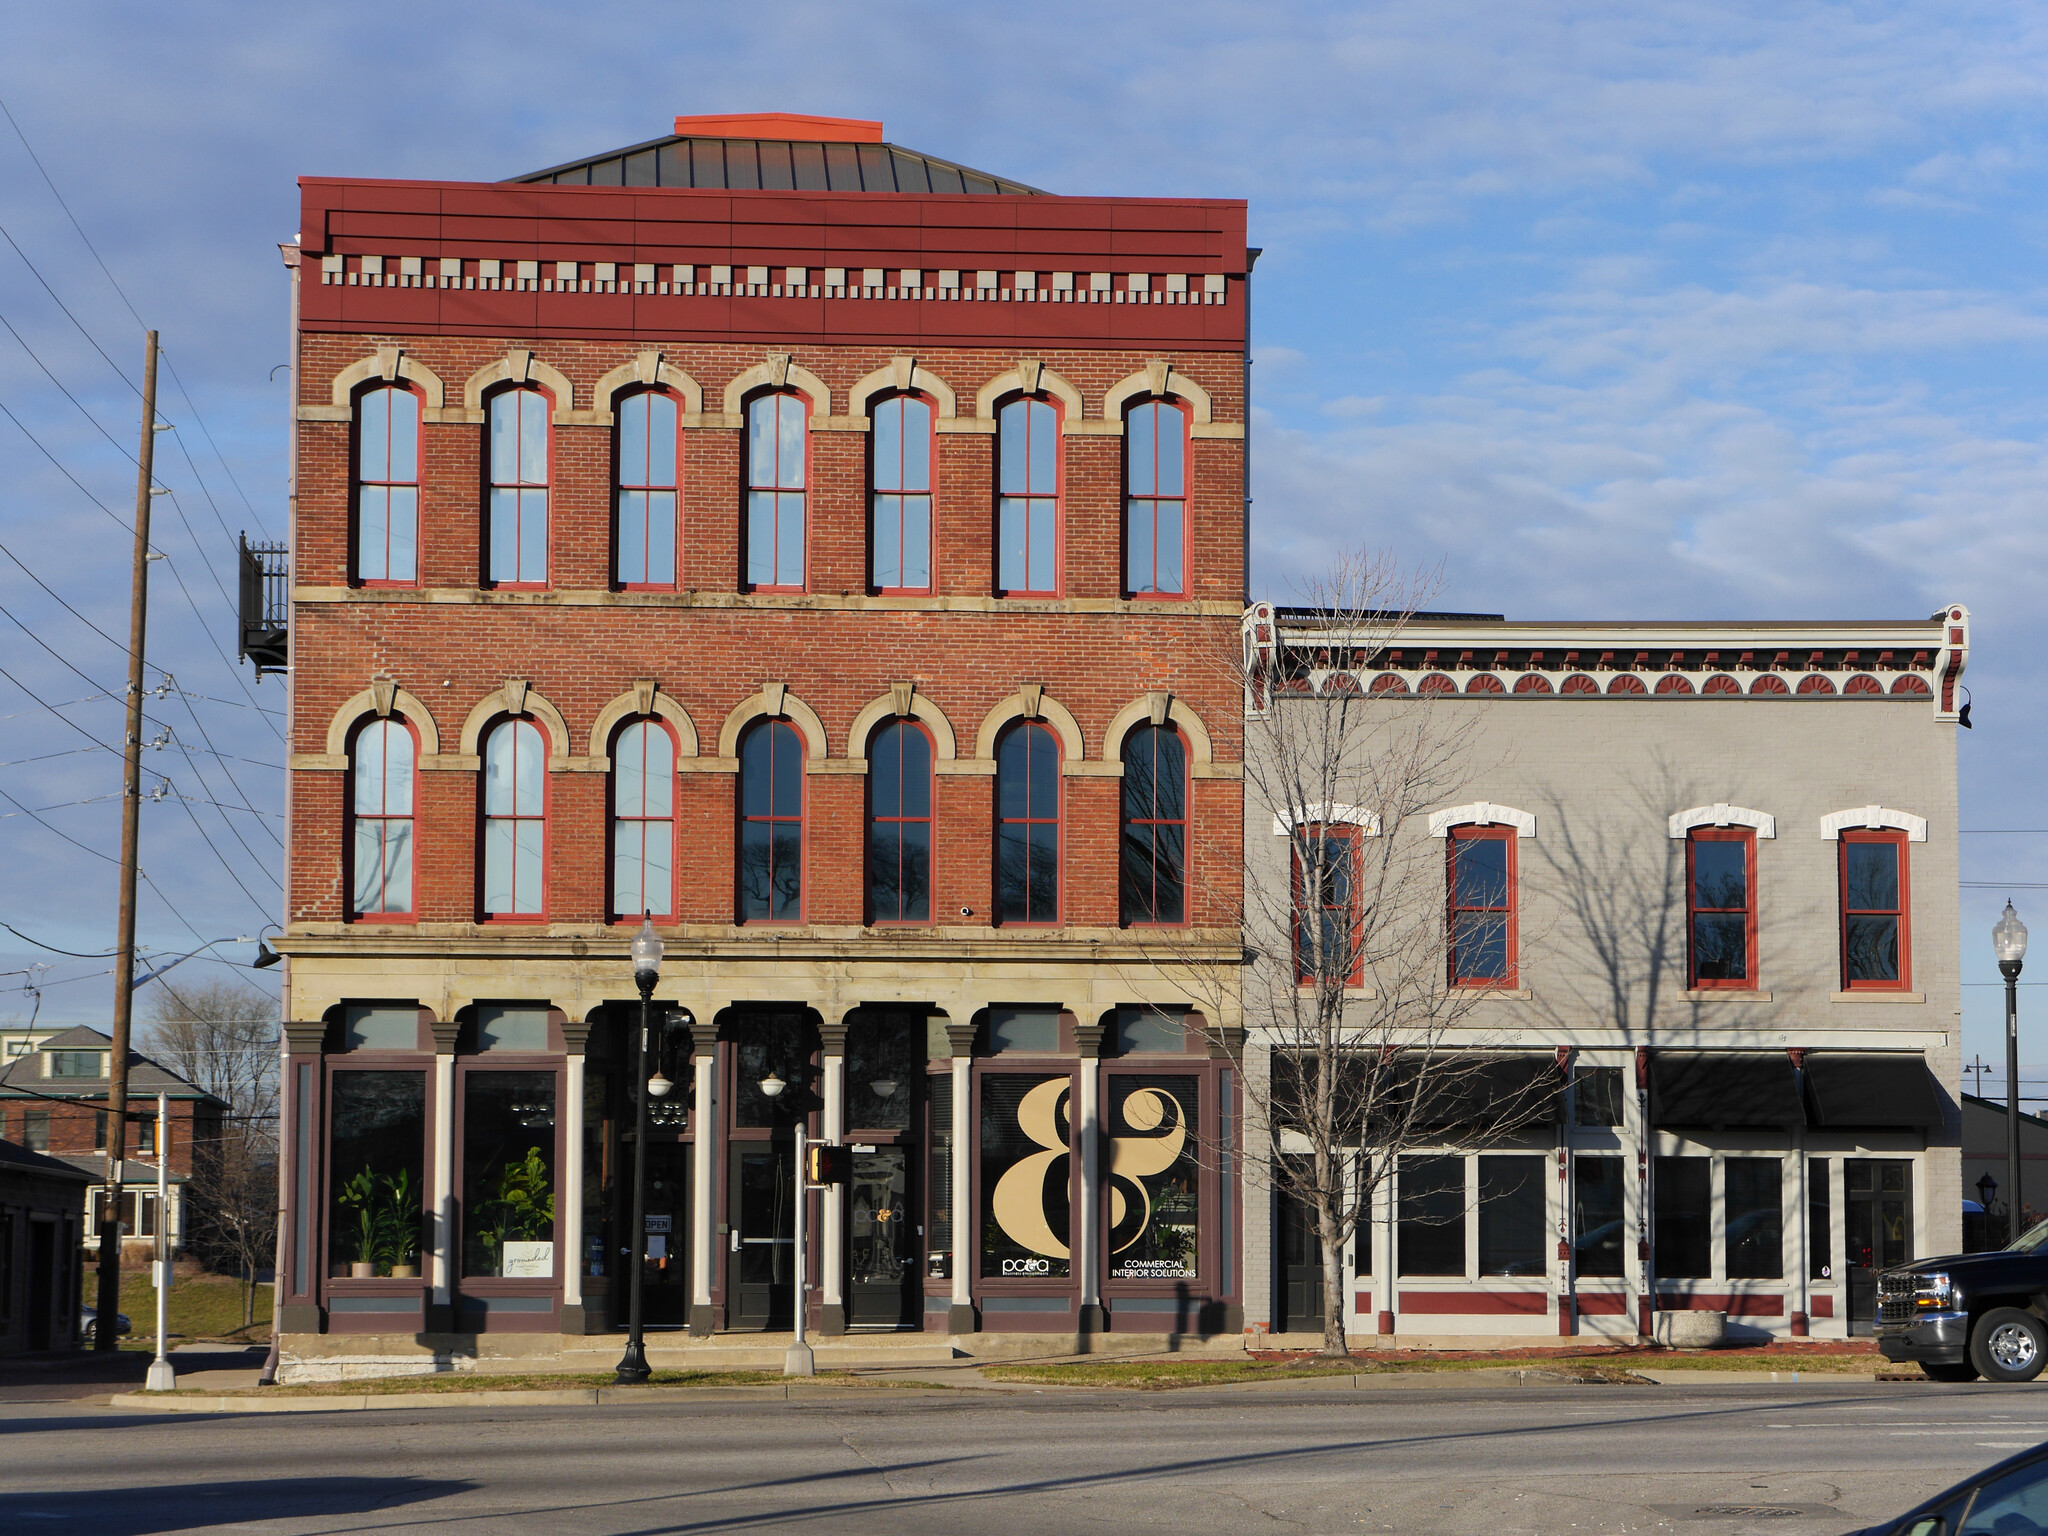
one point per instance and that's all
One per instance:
(1629, 310)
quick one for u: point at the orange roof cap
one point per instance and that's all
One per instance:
(781, 125)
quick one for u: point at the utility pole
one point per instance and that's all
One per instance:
(104, 1335)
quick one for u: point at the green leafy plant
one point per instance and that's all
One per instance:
(398, 1221)
(521, 1209)
(359, 1195)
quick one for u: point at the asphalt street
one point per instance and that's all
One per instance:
(1423, 1460)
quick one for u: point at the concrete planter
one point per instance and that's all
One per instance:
(1692, 1330)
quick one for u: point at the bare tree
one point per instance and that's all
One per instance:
(222, 1037)
(1344, 987)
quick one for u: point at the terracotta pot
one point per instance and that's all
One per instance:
(362, 1269)
(405, 1271)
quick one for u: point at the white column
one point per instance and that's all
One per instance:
(1636, 1149)
(832, 1262)
(963, 1169)
(704, 1251)
(571, 1196)
(1081, 1234)
(1382, 1239)
(444, 1176)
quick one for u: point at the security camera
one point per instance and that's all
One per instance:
(967, 911)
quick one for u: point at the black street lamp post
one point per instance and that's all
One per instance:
(647, 948)
(2009, 942)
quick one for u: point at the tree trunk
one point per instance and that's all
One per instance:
(248, 1293)
(1334, 1342)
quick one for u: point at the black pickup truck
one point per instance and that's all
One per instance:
(1969, 1314)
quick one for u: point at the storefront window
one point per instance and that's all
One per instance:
(884, 1060)
(597, 1169)
(939, 1178)
(508, 1186)
(1682, 1218)
(1596, 1096)
(1597, 1229)
(1820, 1223)
(1755, 1194)
(1432, 1216)
(1154, 1178)
(376, 1159)
(1151, 1030)
(1025, 1130)
(1511, 1216)
(769, 1045)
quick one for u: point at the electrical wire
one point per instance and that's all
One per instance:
(125, 452)
(120, 645)
(111, 954)
(129, 528)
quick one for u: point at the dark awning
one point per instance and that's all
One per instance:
(1484, 1091)
(1872, 1090)
(1723, 1089)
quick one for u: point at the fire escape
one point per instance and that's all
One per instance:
(266, 607)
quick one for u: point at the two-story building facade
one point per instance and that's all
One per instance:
(833, 555)
(1710, 874)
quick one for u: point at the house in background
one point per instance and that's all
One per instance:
(40, 1201)
(1984, 1152)
(53, 1097)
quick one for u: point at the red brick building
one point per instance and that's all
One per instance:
(837, 554)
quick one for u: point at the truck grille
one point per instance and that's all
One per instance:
(1895, 1298)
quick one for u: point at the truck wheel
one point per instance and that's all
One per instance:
(2009, 1345)
(1963, 1371)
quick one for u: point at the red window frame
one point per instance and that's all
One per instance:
(1162, 407)
(1352, 835)
(877, 489)
(354, 819)
(360, 482)
(484, 820)
(772, 818)
(1746, 836)
(1903, 912)
(493, 484)
(1126, 821)
(1051, 504)
(929, 821)
(1508, 910)
(1057, 821)
(623, 486)
(754, 485)
(617, 818)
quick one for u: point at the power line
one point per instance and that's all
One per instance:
(4, 235)
(191, 603)
(126, 527)
(88, 415)
(120, 645)
(226, 468)
(53, 949)
(64, 205)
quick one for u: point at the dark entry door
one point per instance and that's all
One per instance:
(760, 1287)
(665, 1282)
(1878, 1224)
(42, 1281)
(1301, 1268)
(883, 1289)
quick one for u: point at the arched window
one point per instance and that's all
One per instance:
(771, 867)
(517, 554)
(900, 825)
(387, 485)
(646, 500)
(1028, 826)
(775, 492)
(1153, 874)
(1155, 499)
(900, 499)
(1028, 498)
(515, 819)
(643, 820)
(380, 803)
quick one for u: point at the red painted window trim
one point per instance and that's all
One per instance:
(1693, 980)
(930, 821)
(1057, 499)
(1165, 403)
(1510, 913)
(1353, 835)
(620, 486)
(876, 489)
(350, 819)
(357, 483)
(492, 484)
(1058, 819)
(748, 487)
(484, 820)
(613, 818)
(1186, 918)
(1904, 912)
(802, 820)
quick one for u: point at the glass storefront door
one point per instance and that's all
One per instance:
(1301, 1268)
(883, 1286)
(1878, 1223)
(761, 1212)
(665, 1279)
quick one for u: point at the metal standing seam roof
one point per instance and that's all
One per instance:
(777, 165)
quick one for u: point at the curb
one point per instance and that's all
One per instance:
(564, 1397)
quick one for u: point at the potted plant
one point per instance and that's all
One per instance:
(359, 1195)
(398, 1226)
(519, 1218)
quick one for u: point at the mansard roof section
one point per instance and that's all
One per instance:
(779, 165)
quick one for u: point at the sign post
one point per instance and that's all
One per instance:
(161, 1377)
